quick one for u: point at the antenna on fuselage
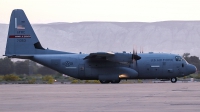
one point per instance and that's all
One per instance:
(142, 50)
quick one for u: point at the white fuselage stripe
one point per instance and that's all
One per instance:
(155, 66)
(70, 67)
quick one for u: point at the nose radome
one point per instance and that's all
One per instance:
(191, 69)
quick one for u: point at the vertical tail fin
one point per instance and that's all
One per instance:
(21, 39)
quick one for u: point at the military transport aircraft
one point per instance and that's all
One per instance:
(106, 67)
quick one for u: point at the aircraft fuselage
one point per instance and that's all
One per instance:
(150, 66)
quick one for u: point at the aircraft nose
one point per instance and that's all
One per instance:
(191, 69)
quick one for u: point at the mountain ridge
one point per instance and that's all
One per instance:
(176, 37)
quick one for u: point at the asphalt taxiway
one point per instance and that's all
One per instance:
(141, 97)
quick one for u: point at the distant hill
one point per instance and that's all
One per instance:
(169, 36)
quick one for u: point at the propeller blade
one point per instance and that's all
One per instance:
(142, 50)
(133, 50)
(135, 57)
(133, 53)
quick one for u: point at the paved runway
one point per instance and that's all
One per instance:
(147, 97)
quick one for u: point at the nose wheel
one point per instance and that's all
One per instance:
(174, 80)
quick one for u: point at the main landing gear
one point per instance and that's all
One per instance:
(174, 80)
(104, 81)
(107, 81)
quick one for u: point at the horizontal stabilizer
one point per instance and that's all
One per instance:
(20, 56)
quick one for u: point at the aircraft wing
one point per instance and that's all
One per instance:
(99, 55)
(109, 56)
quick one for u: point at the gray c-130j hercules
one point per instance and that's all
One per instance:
(106, 67)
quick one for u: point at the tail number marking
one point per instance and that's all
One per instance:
(21, 40)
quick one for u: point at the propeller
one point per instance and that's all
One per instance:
(135, 57)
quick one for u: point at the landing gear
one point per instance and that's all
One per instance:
(104, 81)
(107, 81)
(174, 80)
(115, 81)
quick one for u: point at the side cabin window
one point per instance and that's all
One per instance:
(178, 58)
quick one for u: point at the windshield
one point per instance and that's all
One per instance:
(184, 60)
(178, 58)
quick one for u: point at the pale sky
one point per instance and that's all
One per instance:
(47, 11)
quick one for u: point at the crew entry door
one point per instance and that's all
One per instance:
(81, 71)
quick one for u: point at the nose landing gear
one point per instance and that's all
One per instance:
(174, 80)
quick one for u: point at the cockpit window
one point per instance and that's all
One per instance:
(178, 58)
